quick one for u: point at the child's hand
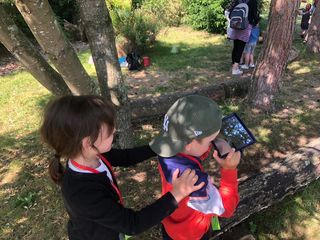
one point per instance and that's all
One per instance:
(230, 162)
(184, 185)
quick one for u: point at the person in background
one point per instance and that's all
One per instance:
(248, 52)
(305, 20)
(241, 37)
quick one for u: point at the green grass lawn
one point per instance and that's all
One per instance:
(31, 204)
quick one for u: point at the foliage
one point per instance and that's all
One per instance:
(137, 27)
(168, 12)
(206, 14)
(209, 15)
(120, 3)
(25, 200)
(65, 9)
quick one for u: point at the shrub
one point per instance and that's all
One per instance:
(137, 27)
(209, 15)
(206, 14)
(168, 12)
(65, 9)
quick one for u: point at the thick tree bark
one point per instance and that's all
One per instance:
(92, 16)
(44, 26)
(266, 78)
(313, 34)
(275, 182)
(100, 33)
(20, 46)
(154, 107)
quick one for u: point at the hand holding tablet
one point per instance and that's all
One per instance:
(236, 135)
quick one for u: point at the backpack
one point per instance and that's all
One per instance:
(134, 61)
(239, 16)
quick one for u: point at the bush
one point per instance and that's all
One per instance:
(138, 28)
(168, 12)
(206, 15)
(65, 9)
(209, 15)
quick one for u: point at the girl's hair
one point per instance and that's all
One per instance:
(308, 6)
(67, 121)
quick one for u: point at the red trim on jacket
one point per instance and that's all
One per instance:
(92, 170)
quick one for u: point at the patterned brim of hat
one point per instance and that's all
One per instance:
(190, 117)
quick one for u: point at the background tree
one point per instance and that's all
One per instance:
(99, 31)
(45, 28)
(272, 61)
(313, 34)
(22, 48)
(73, 79)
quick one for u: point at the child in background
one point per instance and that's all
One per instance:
(80, 129)
(248, 52)
(305, 20)
(189, 127)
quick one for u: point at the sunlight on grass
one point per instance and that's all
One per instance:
(297, 68)
(195, 48)
(189, 36)
(13, 169)
(20, 95)
(84, 58)
(297, 217)
(263, 134)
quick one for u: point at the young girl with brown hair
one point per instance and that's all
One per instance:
(80, 129)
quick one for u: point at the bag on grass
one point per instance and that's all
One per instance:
(134, 61)
(239, 16)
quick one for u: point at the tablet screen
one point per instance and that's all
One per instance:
(235, 132)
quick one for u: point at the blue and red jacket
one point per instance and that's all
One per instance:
(186, 223)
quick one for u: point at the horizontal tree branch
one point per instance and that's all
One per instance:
(153, 107)
(276, 181)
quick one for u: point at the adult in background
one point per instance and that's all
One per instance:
(241, 37)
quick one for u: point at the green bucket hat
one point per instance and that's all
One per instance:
(190, 117)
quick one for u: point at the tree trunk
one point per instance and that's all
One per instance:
(20, 46)
(154, 107)
(44, 26)
(100, 33)
(276, 181)
(94, 26)
(266, 78)
(313, 34)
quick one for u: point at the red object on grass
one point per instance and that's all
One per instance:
(146, 61)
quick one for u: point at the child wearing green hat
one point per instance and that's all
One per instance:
(189, 127)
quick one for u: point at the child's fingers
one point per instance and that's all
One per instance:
(230, 155)
(199, 186)
(175, 174)
(216, 157)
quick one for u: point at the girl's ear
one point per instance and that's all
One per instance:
(86, 144)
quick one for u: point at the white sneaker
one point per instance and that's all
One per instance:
(236, 71)
(244, 66)
(252, 65)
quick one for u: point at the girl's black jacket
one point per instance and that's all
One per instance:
(93, 204)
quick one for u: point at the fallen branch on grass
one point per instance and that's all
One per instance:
(148, 108)
(275, 182)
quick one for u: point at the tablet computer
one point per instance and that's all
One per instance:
(235, 133)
